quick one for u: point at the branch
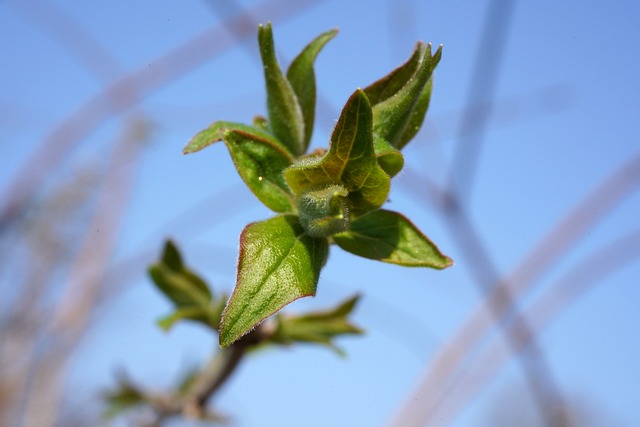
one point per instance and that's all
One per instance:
(559, 240)
(578, 281)
(207, 384)
(119, 97)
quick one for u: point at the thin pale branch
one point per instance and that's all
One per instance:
(556, 244)
(72, 314)
(73, 36)
(119, 97)
(591, 271)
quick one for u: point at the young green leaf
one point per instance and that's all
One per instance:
(303, 81)
(400, 100)
(325, 211)
(318, 327)
(176, 281)
(260, 164)
(194, 313)
(389, 85)
(285, 114)
(278, 263)
(188, 292)
(124, 398)
(390, 237)
(259, 159)
(390, 159)
(209, 315)
(351, 161)
(417, 115)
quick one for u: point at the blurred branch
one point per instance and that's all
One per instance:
(578, 281)
(484, 80)
(72, 35)
(537, 371)
(36, 252)
(566, 233)
(466, 155)
(474, 125)
(80, 298)
(192, 403)
(207, 383)
(120, 96)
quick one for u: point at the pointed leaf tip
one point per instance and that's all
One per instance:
(285, 113)
(350, 162)
(400, 100)
(320, 327)
(390, 237)
(277, 264)
(302, 77)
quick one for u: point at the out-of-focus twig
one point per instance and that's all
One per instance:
(484, 78)
(120, 96)
(77, 39)
(539, 377)
(79, 299)
(580, 279)
(422, 403)
(193, 404)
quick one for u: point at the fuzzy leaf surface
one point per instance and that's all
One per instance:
(258, 157)
(390, 237)
(302, 78)
(278, 263)
(400, 100)
(325, 211)
(351, 161)
(285, 114)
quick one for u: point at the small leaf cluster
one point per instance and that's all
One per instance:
(191, 296)
(194, 301)
(325, 197)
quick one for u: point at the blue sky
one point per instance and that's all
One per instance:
(564, 117)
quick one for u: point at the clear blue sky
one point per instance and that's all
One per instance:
(565, 117)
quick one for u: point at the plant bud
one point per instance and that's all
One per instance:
(325, 211)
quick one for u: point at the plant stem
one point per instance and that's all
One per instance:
(213, 377)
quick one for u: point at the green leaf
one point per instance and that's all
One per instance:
(261, 123)
(260, 164)
(390, 159)
(205, 314)
(215, 132)
(285, 114)
(325, 211)
(125, 397)
(188, 292)
(318, 327)
(177, 282)
(303, 81)
(259, 159)
(401, 99)
(390, 237)
(416, 118)
(389, 85)
(350, 162)
(278, 263)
